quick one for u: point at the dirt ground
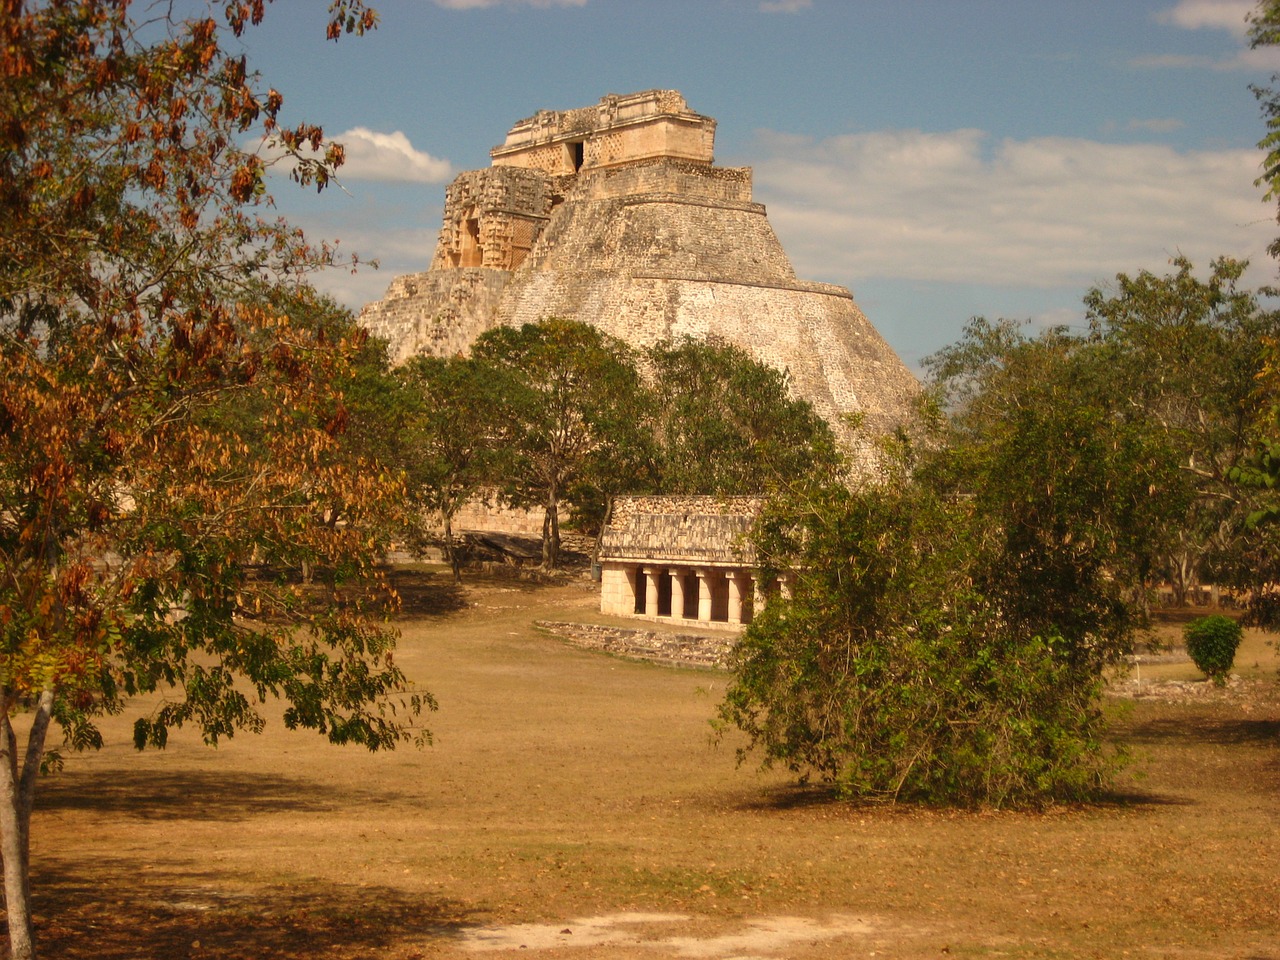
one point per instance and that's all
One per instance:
(573, 806)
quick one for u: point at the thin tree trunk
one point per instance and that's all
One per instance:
(450, 550)
(551, 532)
(17, 797)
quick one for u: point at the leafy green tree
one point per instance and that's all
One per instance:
(1035, 438)
(726, 424)
(951, 626)
(906, 666)
(1182, 357)
(1166, 375)
(452, 445)
(147, 534)
(565, 406)
(1264, 31)
(1255, 569)
(1212, 643)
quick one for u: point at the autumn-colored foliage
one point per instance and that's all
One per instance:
(171, 419)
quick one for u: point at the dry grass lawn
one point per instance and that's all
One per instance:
(572, 806)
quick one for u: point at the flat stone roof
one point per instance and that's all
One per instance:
(688, 529)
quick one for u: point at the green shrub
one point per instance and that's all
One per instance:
(904, 668)
(1212, 643)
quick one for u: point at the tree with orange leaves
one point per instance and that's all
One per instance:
(149, 528)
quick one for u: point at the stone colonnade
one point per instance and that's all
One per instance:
(697, 593)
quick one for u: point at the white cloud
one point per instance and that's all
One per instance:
(1209, 15)
(1228, 15)
(784, 6)
(1261, 60)
(370, 155)
(956, 208)
(388, 156)
(1175, 60)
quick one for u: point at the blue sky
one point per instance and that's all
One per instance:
(941, 158)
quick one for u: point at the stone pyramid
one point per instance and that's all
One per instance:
(617, 216)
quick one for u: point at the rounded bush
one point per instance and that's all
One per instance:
(1212, 643)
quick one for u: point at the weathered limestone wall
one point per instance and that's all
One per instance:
(652, 267)
(617, 589)
(678, 178)
(491, 518)
(492, 218)
(619, 129)
(439, 312)
(614, 215)
(589, 242)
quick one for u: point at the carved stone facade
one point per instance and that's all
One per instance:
(615, 215)
(684, 560)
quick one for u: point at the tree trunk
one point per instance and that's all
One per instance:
(17, 796)
(551, 532)
(1182, 577)
(450, 551)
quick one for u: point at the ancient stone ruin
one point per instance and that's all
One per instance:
(616, 215)
(685, 560)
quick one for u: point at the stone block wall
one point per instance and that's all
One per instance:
(665, 176)
(492, 218)
(617, 595)
(439, 312)
(489, 517)
(653, 248)
(617, 130)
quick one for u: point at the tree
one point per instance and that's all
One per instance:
(906, 664)
(450, 440)
(1264, 31)
(564, 406)
(1256, 568)
(1182, 357)
(1167, 372)
(147, 534)
(951, 626)
(1087, 472)
(726, 424)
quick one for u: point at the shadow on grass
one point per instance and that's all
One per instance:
(426, 593)
(108, 909)
(800, 797)
(1213, 731)
(796, 796)
(187, 795)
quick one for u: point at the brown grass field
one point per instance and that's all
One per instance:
(573, 806)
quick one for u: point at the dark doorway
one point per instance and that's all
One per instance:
(664, 594)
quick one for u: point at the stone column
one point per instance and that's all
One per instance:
(677, 594)
(651, 591)
(735, 596)
(704, 596)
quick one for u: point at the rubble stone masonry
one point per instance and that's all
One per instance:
(616, 215)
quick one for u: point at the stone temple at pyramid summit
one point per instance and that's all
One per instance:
(616, 215)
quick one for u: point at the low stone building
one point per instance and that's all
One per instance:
(684, 560)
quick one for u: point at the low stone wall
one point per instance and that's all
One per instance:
(491, 518)
(675, 649)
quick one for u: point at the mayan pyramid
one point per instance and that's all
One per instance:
(617, 216)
